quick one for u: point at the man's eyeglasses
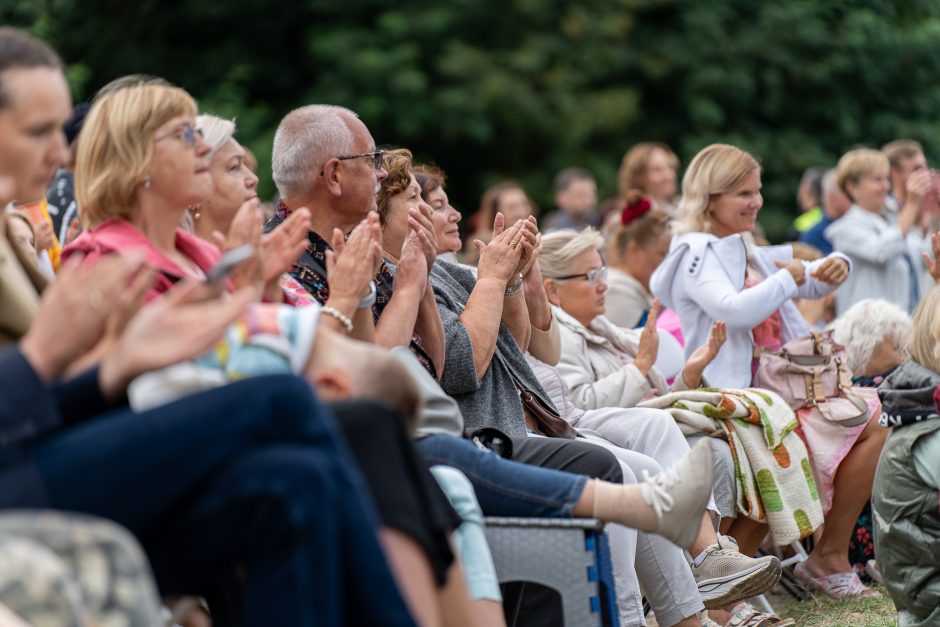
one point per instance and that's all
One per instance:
(594, 276)
(377, 156)
(186, 132)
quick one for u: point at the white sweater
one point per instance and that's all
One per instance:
(702, 280)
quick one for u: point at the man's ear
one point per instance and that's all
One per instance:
(551, 291)
(333, 384)
(332, 177)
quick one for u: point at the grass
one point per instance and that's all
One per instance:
(823, 612)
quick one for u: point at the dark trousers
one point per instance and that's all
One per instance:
(245, 487)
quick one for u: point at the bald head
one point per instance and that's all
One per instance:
(306, 139)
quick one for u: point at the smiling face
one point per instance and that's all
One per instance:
(179, 172)
(870, 191)
(735, 211)
(445, 219)
(233, 183)
(32, 145)
(580, 298)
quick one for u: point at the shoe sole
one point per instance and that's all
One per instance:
(721, 591)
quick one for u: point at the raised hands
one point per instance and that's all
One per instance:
(648, 349)
(354, 261)
(81, 300)
(412, 271)
(502, 257)
(932, 262)
(281, 247)
(182, 324)
(704, 355)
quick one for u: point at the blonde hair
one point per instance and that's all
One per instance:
(924, 345)
(634, 164)
(116, 147)
(560, 248)
(215, 131)
(858, 163)
(716, 169)
(865, 325)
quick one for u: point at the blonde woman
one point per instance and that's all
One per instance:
(715, 272)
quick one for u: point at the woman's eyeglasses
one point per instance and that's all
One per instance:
(594, 276)
(186, 132)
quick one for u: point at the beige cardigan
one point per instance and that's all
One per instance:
(20, 285)
(597, 364)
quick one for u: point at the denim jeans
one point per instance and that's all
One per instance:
(504, 487)
(247, 487)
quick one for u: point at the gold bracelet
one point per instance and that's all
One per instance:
(339, 315)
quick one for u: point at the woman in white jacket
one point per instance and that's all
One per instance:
(715, 272)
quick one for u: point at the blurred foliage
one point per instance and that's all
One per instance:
(522, 88)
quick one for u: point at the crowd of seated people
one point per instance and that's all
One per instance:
(303, 420)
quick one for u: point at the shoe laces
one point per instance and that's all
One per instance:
(657, 490)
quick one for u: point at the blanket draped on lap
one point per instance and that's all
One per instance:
(775, 478)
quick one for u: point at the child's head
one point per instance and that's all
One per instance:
(341, 368)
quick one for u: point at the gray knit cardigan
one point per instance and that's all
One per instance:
(492, 401)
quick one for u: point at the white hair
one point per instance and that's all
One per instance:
(865, 325)
(560, 248)
(215, 131)
(305, 140)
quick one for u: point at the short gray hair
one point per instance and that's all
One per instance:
(215, 130)
(559, 249)
(306, 139)
(865, 325)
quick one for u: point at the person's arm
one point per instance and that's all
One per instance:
(396, 325)
(27, 409)
(544, 336)
(624, 387)
(712, 290)
(351, 265)
(814, 288)
(862, 243)
(459, 374)
(430, 329)
(516, 314)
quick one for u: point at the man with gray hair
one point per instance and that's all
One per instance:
(325, 159)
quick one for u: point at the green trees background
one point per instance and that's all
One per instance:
(522, 88)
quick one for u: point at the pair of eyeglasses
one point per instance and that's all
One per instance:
(594, 276)
(377, 156)
(187, 133)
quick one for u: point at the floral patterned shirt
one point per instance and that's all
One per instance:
(310, 272)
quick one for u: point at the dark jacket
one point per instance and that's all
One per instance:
(905, 509)
(30, 412)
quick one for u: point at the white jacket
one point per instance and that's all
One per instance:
(702, 280)
(597, 364)
(877, 250)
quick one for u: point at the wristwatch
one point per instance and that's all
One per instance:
(369, 299)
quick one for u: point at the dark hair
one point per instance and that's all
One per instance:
(429, 177)
(21, 50)
(813, 177)
(569, 176)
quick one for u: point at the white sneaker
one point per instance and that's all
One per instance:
(678, 495)
(726, 576)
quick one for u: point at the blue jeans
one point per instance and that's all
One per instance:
(246, 487)
(510, 488)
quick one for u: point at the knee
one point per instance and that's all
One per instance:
(599, 463)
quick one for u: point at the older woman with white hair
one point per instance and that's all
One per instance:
(875, 334)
